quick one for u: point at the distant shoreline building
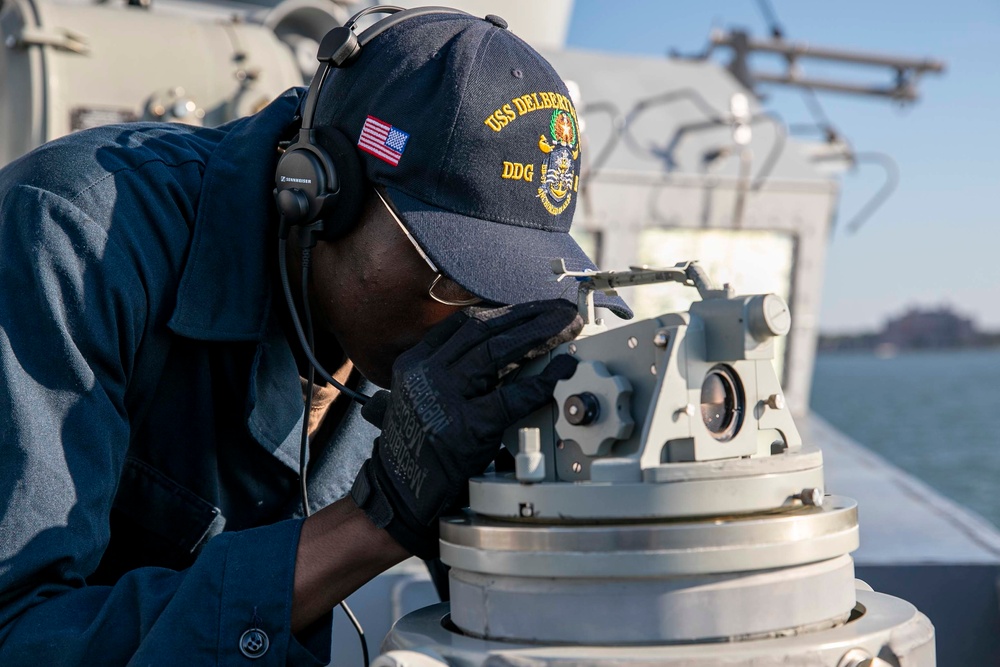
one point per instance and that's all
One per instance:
(916, 329)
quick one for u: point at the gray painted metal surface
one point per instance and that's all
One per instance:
(654, 549)
(506, 497)
(647, 610)
(883, 626)
(694, 389)
(68, 66)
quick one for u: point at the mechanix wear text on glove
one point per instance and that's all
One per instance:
(448, 410)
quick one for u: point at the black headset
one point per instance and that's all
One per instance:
(322, 189)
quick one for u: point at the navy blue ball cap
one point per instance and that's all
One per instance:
(476, 140)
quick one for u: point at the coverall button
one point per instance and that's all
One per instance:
(254, 643)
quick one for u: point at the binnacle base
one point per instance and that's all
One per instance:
(641, 583)
(882, 631)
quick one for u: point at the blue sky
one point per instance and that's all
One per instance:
(937, 240)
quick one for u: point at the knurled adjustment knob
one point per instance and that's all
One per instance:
(768, 317)
(594, 408)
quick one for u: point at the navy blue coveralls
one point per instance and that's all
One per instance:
(150, 405)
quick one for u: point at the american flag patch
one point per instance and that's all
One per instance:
(383, 140)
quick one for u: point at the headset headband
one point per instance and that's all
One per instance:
(341, 46)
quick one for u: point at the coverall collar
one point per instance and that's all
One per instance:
(226, 290)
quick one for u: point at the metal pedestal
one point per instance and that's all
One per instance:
(881, 627)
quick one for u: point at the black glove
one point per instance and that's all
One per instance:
(448, 410)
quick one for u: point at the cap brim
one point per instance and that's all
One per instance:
(498, 262)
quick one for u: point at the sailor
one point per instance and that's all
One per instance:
(151, 380)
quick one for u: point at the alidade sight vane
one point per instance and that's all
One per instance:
(686, 273)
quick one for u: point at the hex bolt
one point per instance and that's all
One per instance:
(812, 497)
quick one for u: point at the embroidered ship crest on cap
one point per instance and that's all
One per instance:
(558, 171)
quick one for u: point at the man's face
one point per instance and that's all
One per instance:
(370, 291)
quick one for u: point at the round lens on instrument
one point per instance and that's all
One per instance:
(716, 403)
(721, 403)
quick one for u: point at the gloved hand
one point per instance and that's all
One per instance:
(448, 410)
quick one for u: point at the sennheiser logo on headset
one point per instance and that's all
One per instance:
(289, 179)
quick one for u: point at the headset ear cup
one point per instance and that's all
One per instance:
(351, 178)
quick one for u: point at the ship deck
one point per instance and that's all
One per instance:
(903, 520)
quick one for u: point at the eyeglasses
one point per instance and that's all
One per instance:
(442, 289)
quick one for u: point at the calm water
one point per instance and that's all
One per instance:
(934, 414)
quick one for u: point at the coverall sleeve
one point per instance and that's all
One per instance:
(71, 318)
